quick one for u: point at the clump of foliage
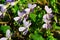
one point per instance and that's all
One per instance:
(32, 27)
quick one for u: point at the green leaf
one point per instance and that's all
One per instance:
(56, 27)
(48, 32)
(15, 9)
(51, 38)
(36, 37)
(55, 18)
(4, 28)
(34, 0)
(40, 15)
(33, 17)
(55, 8)
(52, 2)
(2, 1)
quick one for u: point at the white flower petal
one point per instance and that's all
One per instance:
(48, 10)
(47, 26)
(31, 6)
(27, 10)
(34, 5)
(12, 3)
(46, 21)
(44, 26)
(47, 16)
(1, 5)
(24, 20)
(3, 8)
(46, 7)
(3, 38)
(22, 29)
(20, 14)
(8, 33)
(1, 13)
(16, 18)
(26, 23)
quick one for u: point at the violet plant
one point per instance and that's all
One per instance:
(47, 17)
(29, 20)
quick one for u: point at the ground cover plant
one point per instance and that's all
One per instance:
(29, 20)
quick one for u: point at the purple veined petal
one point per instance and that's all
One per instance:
(25, 32)
(20, 14)
(47, 16)
(21, 29)
(51, 15)
(27, 10)
(47, 26)
(16, 18)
